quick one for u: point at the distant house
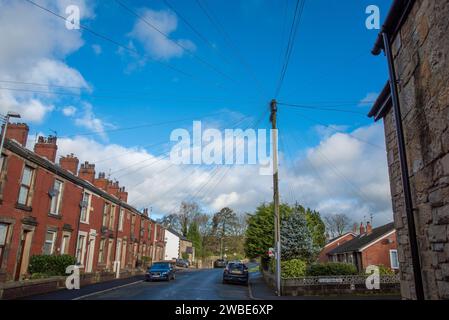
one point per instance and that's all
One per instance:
(376, 246)
(334, 243)
(172, 239)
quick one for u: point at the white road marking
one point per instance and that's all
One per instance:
(107, 290)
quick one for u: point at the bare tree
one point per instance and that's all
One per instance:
(187, 213)
(337, 224)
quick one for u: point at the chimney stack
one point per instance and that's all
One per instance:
(69, 163)
(87, 172)
(362, 228)
(145, 212)
(46, 147)
(101, 182)
(369, 228)
(113, 188)
(17, 132)
(122, 194)
(354, 228)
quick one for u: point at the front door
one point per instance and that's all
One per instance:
(118, 249)
(24, 254)
(90, 255)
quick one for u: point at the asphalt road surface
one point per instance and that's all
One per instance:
(192, 284)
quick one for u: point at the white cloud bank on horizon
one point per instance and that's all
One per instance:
(340, 175)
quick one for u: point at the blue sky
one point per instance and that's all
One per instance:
(331, 66)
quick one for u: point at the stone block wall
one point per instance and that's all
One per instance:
(421, 52)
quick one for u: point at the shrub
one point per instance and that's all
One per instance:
(293, 268)
(51, 265)
(331, 269)
(385, 271)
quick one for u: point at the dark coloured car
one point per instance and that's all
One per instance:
(160, 271)
(236, 272)
(220, 263)
(183, 263)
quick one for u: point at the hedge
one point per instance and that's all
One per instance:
(293, 268)
(50, 265)
(331, 269)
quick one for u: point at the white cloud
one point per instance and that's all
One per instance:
(33, 50)
(346, 176)
(30, 109)
(155, 43)
(69, 111)
(97, 49)
(90, 121)
(369, 99)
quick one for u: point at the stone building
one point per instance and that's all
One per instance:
(420, 48)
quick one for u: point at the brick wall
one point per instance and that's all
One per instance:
(36, 218)
(421, 53)
(379, 252)
(331, 246)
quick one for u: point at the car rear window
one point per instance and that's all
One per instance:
(160, 266)
(235, 266)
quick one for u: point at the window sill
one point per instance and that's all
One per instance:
(23, 207)
(55, 216)
(85, 222)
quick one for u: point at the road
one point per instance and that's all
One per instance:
(192, 284)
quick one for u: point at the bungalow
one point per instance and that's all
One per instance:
(376, 246)
(334, 243)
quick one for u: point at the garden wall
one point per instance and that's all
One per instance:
(333, 285)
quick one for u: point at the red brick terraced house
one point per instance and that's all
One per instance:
(49, 208)
(334, 243)
(376, 246)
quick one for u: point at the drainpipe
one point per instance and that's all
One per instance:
(404, 171)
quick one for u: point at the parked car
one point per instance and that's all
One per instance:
(220, 263)
(236, 272)
(160, 271)
(183, 263)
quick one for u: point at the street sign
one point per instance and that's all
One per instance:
(271, 252)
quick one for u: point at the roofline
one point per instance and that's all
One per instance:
(396, 17)
(330, 253)
(377, 240)
(23, 152)
(382, 104)
(338, 238)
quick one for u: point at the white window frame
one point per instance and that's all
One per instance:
(120, 219)
(101, 253)
(391, 259)
(82, 250)
(65, 242)
(111, 221)
(52, 242)
(5, 240)
(89, 201)
(57, 198)
(106, 214)
(28, 187)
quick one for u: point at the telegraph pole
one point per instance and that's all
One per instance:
(277, 229)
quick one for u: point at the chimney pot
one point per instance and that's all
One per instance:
(362, 228)
(46, 147)
(69, 163)
(87, 172)
(369, 228)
